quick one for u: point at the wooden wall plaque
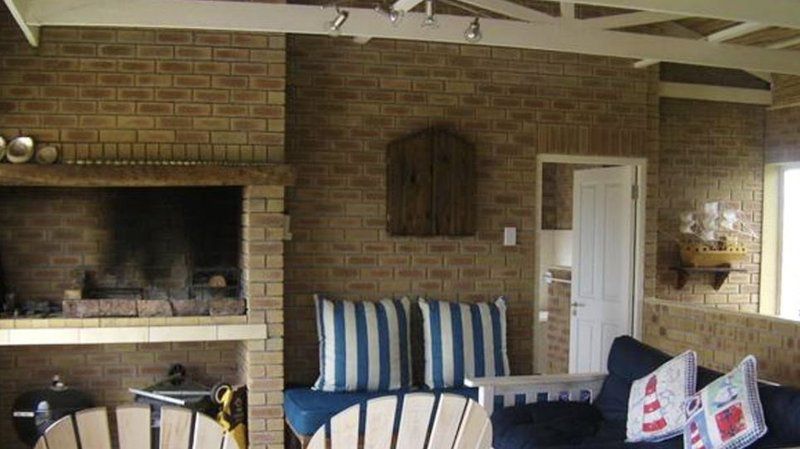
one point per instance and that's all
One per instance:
(431, 184)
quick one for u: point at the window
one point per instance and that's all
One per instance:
(789, 281)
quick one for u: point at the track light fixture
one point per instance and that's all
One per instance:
(394, 16)
(430, 15)
(335, 25)
(473, 33)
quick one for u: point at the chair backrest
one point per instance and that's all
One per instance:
(459, 423)
(89, 429)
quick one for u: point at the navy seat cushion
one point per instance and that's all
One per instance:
(544, 424)
(782, 414)
(307, 410)
(562, 425)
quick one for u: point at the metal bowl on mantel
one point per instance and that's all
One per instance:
(20, 150)
(46, 155)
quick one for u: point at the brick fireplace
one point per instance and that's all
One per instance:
(106, 356)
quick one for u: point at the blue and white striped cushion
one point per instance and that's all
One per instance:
(363, 346)
(463, 340)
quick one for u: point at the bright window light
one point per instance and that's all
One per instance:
(790, 245)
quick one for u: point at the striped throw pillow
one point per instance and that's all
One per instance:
(463, 340)
(363, 346)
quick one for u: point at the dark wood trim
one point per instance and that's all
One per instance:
(720, 274)
(100, 175)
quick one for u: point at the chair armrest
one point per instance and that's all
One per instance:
(499, 392)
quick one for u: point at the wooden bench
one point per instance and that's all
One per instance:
(89, 429)
(459, 423)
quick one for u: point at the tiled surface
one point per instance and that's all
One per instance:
(26, 323)
(110, 335)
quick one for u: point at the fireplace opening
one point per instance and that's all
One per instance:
(103, 252)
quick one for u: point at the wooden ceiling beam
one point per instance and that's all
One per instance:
(791, 42)
(406, 5)
(783, 13)
(512, 10)
(715, 93)
(362, 22)
(679, 30)
(567, 10)
(735, 31)
(628, 20)
(17, 8)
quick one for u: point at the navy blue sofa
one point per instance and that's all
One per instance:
(601, 424)
(307, 410)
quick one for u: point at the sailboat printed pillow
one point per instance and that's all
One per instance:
(727, 414)
(655, 405)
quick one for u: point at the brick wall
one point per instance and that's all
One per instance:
(783, 131)
(145, 94)
(105, 371)
(127, 94)
(558, 323)
(557, 194)
(709, 152)
(723, 338)
(346, 101)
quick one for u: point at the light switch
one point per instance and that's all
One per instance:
(544, 315)
(510, 236)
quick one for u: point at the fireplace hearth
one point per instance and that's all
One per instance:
(52, 247)
(122, 252)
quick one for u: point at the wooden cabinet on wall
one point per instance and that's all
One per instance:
(431, 185)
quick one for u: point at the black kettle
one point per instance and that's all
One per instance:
(34, 411)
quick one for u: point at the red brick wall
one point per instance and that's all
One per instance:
(709, 152)
(722, 338)
(346, 101)
(145, 94)
(128, 94)
(557, 194)
(558, 323)
(783, 131)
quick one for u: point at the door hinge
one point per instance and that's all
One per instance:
(635, 192)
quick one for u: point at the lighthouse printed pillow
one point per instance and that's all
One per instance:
(727, 414)
(655, 405)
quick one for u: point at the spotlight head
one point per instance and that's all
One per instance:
(335, 25)
(430, 19)
(394, 16)
(473, 32)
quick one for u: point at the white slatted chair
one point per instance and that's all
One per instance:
(459, 423)
(89, 429)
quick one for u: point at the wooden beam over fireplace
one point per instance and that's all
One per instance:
(99, 175)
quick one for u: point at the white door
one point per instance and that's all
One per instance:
(603, 226)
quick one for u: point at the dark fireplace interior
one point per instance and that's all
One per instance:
(131, 243)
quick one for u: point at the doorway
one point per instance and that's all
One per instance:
(574, 193)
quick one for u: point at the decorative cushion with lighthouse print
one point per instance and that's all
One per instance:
(655, 405)
(727, 414)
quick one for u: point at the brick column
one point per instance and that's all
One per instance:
(263, 233)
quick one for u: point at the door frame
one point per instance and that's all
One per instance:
(639, 244)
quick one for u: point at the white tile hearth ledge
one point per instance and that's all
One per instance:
(74, 331)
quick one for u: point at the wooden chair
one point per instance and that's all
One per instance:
(459, 423)
(90, 430)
